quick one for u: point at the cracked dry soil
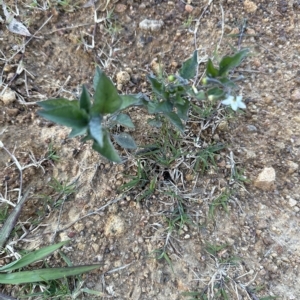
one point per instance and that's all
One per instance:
(261, 226)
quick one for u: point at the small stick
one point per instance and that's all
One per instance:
(12, 219)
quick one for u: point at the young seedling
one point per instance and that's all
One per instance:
(206, 157)
(220, 201)
(52, 154)
(179, 217)
(161, 254)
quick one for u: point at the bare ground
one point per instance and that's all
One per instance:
(261, 227)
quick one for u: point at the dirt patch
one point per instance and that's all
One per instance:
(125, 236)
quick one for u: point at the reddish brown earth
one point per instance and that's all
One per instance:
(261, 226)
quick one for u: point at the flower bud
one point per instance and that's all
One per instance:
(171, 78)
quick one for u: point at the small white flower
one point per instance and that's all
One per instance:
(234, 102)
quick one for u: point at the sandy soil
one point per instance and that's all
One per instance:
(261, 226)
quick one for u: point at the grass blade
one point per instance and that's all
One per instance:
(44, 274)
(32, 257)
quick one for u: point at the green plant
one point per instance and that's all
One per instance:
(142, 180)
(95, 118)
(188, 22)
(3, 212)
(220, 201)
(161, 254)
(67, 5)
(216, 251)
(7, 276)
(225, 85)
(171, 99)
(52, 154)
(62, 188)
(206, 157)
(179, 217)
(64, 288)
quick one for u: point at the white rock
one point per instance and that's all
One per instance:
(250, 154)
(295, 95)
(292, 202)
(123, 77)
(250, 6)
(266, 179)
(8, 97)
(152, 25)
(79, 227)
(293, 167)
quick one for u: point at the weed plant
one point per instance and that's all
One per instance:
(170, 100)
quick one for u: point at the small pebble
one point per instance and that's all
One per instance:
(8, 97)
(251, 128)
(123, 77)
(152, 25)
(250, 6)
(295, 95)
(292, 202)
(266, 179)
(189, 8)
(120, 8)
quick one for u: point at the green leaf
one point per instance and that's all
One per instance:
(182, 110)
(175, 120)
(227, 82)
(125, 120)
(77, 131)
(84, 101)
(96, 129)
(88, 137)
(163, 107)
(189, 67)
(179, 99)
(216, 93)
(200, 95)
(44, 274)
(211, 71)
(151, 107)
(125, 140)
(32, 257)
(70, 116)
(106, 97)
(92, 292)
(130, 100)
(154, 122)
(107, 150)
(229, 62)
(157, 87)
(58, 103)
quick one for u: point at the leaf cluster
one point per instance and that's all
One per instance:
(95, 116)
(172, 100)
(89, 116)
(220, 75)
